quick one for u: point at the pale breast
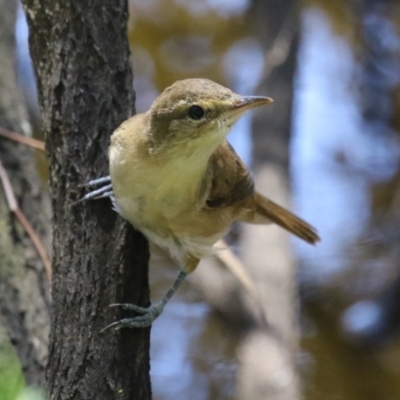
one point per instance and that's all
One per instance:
(163, 198)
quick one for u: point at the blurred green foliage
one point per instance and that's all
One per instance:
(12, 382)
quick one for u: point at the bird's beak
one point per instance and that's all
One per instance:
(246, 103)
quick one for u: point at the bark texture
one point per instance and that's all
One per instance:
(24, 288)
(80, 54)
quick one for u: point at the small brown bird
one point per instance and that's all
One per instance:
(176, 179)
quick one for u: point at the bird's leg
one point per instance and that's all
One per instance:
(149, 314)
(104, 191)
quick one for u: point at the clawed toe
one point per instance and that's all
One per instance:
(98, 181)
(104, 191)
(147, 314)
(147, 317)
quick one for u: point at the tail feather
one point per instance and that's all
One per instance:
(285, 219)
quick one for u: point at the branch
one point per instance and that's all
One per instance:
(238, 270)
(13, 206)
(17, 137)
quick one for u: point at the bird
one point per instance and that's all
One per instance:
(175, 177)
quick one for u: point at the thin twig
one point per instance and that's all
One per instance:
(236, 267)
(13, 206)
(17, 137)
(233, 263)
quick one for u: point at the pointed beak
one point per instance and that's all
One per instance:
(246, 103)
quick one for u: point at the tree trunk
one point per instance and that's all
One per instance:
(80, 54)
(24, 288)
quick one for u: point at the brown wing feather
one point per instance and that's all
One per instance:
(231, 182)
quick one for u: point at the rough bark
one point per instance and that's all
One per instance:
(80, 54)
(24, 289)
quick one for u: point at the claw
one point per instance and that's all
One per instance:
(95, 194)
(149, 314)
(102, 196)
(109, 326)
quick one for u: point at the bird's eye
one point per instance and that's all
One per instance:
(196, 112)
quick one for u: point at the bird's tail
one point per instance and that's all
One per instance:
(284, 218)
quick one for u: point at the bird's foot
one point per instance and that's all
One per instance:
(104, 191)
(146, 318)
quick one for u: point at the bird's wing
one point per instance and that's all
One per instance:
(231, 182)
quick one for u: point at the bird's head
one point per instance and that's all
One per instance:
(197, 114)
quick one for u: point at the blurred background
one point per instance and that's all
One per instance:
(329, 149)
